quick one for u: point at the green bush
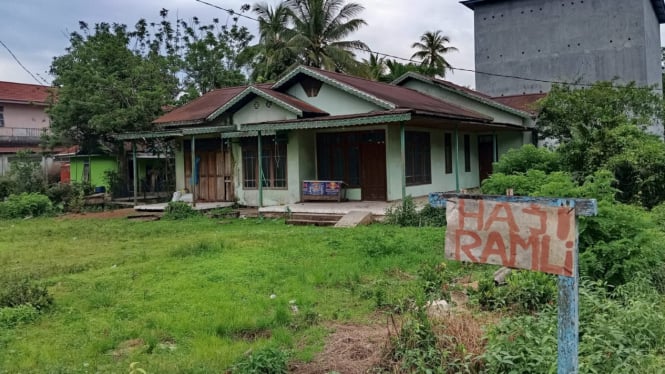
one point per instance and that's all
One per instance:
(25, 205)
(14, 316)
(26, 173)
(179, 210)
(7, 187)
(264, 361)
(524, 291)
(407, 214)
(619, 333)
(14, 293)
(529, 157)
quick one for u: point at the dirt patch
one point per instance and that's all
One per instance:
(127, 347)
(116, 213)
(351, 348)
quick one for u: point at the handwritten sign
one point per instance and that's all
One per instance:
(516, 235)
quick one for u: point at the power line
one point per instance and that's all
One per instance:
(233, 12)
(21, 64)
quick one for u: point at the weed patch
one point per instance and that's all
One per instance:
(199, 249)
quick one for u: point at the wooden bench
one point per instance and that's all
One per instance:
(322, 190)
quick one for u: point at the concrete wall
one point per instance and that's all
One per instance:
(25, 116)
(334, 100)
(564, 41)
(260, 110)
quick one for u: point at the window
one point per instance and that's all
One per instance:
(2, 116)
(338, 156)
(273, 160)
(448, 149)
(418, 159)
(467, 153)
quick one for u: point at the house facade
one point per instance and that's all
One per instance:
(259, 145)
(23, 119)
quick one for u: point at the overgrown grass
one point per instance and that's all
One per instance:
(194, 295)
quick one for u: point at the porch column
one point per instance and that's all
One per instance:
(457, 158)
(402, 144)
(192, 182)
(223, 166)
(135, 172)
(495, 146)
(260, 157)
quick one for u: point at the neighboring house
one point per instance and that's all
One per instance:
(95, 169)
(257, 144)
(23, 119)
(567, 41)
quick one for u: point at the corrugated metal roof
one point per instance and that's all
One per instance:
(200, 108)
(402, 97)
(527, 102)
(24, 93)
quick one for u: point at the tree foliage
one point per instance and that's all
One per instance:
(115, 79)
(308, 32)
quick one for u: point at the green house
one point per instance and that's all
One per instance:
(266, 144)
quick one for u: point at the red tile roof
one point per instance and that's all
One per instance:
(24, 93)
(403, 97)
(526, 102)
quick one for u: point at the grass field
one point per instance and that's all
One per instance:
(194, 296)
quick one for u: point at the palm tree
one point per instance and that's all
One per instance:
(320, 28)
(372, 69)
(273, 54)
(431, 48)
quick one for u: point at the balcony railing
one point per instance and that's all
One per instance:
(21, 135)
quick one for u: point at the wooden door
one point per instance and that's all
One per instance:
(485, 156)
(215, 175)
(373, 182)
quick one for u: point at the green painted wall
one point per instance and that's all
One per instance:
(510, 140)
(334, 100)
(257, 111)
(98, 166)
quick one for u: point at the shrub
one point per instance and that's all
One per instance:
(266, 360)
(619, 333)
(27, 174)
(529, 157)
(179, 210)
(407, 214)
(14, 293)
(525, 291)
(12, 317)
(7, 187)
(25, 205)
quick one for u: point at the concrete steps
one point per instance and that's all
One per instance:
(305, 219)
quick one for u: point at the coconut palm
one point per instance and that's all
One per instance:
(431, 48)
(273, 54)
(321, 27)
(372, 69)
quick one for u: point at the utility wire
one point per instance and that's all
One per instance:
(21, 64)
(234, 13)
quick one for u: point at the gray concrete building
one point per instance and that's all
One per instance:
(569, 41)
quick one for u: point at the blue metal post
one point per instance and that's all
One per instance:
(402, 144)
(260, 156)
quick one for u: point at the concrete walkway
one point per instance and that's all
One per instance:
(199, 206)
(377, 208)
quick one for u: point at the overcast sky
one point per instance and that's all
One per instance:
(37, 30)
